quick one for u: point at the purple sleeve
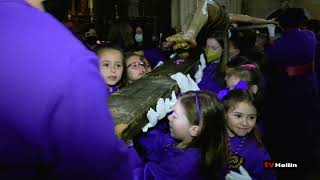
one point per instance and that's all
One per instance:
(258, 171)
(184, 166)
(82, 130)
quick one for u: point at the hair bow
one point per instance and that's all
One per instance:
(240, 85)
(249, 66)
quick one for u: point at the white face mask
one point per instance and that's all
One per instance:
(139, 38)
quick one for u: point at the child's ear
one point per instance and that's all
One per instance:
(254, 89)
(194, 131)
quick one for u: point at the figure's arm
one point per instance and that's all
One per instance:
(236, 18)
(211, 13)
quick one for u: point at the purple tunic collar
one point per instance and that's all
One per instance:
(112, 89)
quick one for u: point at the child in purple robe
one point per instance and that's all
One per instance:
(213, 53)
(245, 146)
(111, 67)
(136, 67)
(248, 72)
(194, 148)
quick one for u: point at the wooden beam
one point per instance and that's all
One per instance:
(131, 104)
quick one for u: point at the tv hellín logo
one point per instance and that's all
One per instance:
(273, 165)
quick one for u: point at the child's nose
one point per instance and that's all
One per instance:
(244, 121)
(143, 70)
(113, 69)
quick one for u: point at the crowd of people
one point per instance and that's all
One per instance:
(55, 122)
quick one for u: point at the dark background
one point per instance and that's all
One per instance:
(156, 14)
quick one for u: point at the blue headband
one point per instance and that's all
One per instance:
(198, 106)
(240, 85)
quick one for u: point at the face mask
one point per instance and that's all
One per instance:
(212, 55)
(138, 38)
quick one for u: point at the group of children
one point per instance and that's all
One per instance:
(206, 136)
(120, 70)
(214, 133)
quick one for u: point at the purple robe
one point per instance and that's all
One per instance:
(163, 160)
(209, 79)
(253, 156)
(54, 120)
(290, 112)
(154, 56)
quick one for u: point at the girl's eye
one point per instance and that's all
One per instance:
(238, 115)
(106, 65)
(252, 117)
(118, 65)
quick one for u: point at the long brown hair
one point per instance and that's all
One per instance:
(212, 138)
(237, 96)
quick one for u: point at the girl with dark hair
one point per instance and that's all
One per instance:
(111, 63)
(196, 145)
(210, 79)
(245, 146)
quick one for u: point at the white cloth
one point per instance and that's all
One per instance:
(153, 119)
(199, 74)
(159, 64)
(185, 83)
(162, 108)
(272, 30)
(243, 175)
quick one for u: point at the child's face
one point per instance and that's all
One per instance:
(111, 66)
(241, 119)
(179, 123)
(213, 44)
(148, 67)
(231, 81)
(135, 68)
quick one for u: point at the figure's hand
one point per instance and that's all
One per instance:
(119, 128)
(243, 175)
